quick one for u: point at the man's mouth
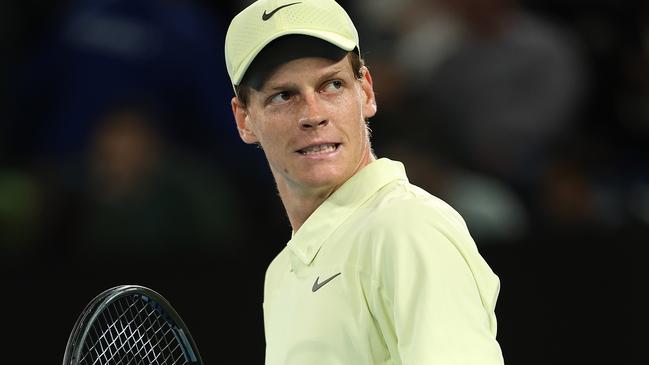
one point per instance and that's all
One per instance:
(319, 149)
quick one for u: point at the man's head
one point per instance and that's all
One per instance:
(303, 93)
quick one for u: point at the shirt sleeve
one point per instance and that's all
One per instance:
(434, 296)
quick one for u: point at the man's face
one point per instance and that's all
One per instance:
(309, 117)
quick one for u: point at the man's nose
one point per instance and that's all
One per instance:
(313, 115)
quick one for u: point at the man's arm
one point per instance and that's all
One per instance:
(435, 295)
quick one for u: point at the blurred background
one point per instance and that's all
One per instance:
(120, 163)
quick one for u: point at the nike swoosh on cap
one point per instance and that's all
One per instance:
(265, 16)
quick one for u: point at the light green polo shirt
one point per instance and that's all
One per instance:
(381, 273)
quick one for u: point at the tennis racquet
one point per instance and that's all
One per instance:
(130, 325)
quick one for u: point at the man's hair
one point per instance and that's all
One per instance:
(288, 48)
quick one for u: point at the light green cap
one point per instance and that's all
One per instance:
(266, 20)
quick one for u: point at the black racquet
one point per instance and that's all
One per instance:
(130, 325)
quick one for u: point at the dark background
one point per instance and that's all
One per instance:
(120, 163)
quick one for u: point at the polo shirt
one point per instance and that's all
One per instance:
(381, 273)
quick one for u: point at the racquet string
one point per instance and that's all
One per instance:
(131, 332)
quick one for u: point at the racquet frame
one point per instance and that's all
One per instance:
(79, 333)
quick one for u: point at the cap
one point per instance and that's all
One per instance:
(266, 20)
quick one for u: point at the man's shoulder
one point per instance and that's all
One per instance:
(405, 216)
(278, 265)
(408, 204)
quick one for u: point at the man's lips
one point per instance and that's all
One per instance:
(320, 148)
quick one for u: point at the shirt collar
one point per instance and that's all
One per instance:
(306, 242)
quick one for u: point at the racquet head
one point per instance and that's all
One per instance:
(130, 325)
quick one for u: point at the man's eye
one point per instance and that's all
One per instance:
(334, 85)
(279, 98)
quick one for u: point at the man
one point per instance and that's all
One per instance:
(377, 270)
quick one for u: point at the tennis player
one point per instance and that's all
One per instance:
(377, 270)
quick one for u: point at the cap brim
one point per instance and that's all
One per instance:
(333, 38)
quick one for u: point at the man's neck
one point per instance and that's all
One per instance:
(300, 204)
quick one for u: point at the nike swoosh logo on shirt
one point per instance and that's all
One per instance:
(265, 16)
(317, 285)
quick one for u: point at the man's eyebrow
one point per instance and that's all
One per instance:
(289, 85)
(337, 70)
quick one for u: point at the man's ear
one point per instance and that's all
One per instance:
(369, 104)
(243, 124)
